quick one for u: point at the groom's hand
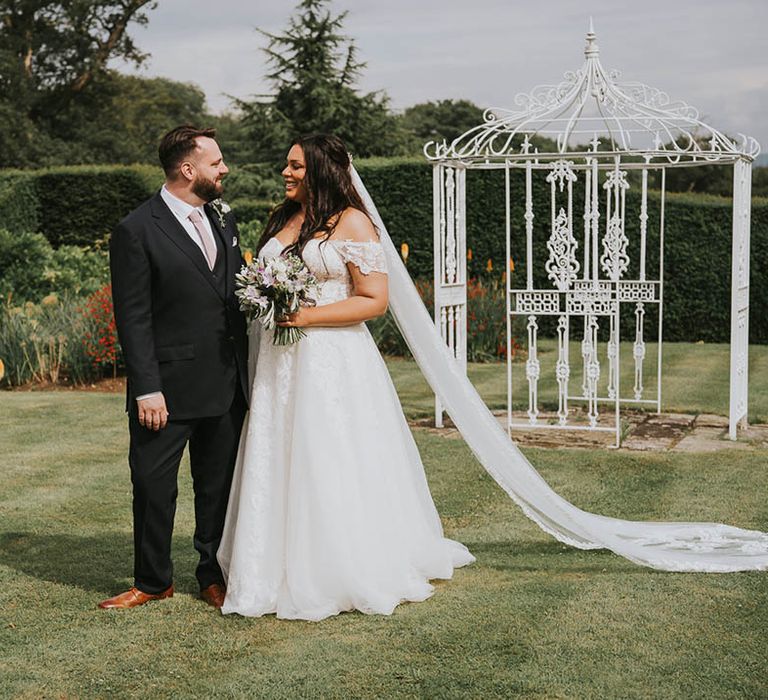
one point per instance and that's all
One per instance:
(152, 412)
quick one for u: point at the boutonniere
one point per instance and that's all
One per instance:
(222, 209)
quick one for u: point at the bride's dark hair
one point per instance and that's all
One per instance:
(329, 192)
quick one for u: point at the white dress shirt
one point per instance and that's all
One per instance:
(181, 210)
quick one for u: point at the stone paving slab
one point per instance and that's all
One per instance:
(684, 420)
(756, 435)
(710, 420)
(707, 439)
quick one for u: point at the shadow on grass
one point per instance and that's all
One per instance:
(552, 557)
(101, 563)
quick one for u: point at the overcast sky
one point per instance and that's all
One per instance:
(709, 53)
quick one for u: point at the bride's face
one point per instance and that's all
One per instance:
(293, 175)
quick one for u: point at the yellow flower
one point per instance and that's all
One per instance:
(489, 266)
(404, 250)
(248, 257)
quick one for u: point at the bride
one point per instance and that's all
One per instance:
(329, 508)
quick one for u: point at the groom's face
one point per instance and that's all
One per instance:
(208, 169)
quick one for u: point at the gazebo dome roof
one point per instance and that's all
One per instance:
(591, 111)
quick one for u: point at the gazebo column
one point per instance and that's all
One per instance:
(450, 263)
(742, 202)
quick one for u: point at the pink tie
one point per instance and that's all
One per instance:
(210, 247)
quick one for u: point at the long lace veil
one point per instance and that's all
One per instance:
(670, 546)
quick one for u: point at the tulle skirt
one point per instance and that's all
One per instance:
(330, 508)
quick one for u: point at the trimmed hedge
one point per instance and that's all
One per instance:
(19, 203)
(80, 205)
(75, 205)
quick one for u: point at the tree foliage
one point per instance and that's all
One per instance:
(60, 47)
(444, 119)
(121, 118)
(52, 53)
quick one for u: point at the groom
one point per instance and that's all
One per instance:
(173, 262)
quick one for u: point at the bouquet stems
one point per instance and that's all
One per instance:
(285, 335)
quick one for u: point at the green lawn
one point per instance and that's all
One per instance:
(695, 379)
(532, 618)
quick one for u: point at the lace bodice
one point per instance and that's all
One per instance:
(328, 263)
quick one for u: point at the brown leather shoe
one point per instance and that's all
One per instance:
(214, 595)
(133, 598)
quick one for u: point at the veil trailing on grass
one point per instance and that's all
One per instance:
(708, 547)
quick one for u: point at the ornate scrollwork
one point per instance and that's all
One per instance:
(561, 266)
(562, 171)
(614, 261)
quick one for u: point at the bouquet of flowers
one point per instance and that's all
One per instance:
(271, 289)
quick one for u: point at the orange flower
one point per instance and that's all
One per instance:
(489, 266)
(404, 249)
(248, 257)
(469, 254)
(511, 265)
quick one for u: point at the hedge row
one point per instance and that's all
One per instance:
(73, 205)
(79, 205)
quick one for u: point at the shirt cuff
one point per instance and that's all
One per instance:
(149, 396)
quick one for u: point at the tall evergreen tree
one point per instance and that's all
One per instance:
(314, 70)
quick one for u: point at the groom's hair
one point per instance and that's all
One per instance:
(178, 143)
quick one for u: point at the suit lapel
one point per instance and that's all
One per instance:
(170, 226)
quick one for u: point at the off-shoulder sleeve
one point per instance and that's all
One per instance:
(367, 256)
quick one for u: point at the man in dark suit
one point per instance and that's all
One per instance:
(173, 262)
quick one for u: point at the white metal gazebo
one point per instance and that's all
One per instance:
(603, 129)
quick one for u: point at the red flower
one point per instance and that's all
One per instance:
(102, 347)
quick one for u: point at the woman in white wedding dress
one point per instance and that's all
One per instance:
(329, 508)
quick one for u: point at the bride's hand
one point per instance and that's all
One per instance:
(300, 319)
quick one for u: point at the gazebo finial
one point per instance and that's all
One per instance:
(591, 49)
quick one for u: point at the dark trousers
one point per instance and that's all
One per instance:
(154, 459)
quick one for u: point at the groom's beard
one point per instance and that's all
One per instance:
(207, 190)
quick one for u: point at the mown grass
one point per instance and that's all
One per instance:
(532, 618)
(695, 379)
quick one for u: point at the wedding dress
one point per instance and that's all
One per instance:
(329, 508)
